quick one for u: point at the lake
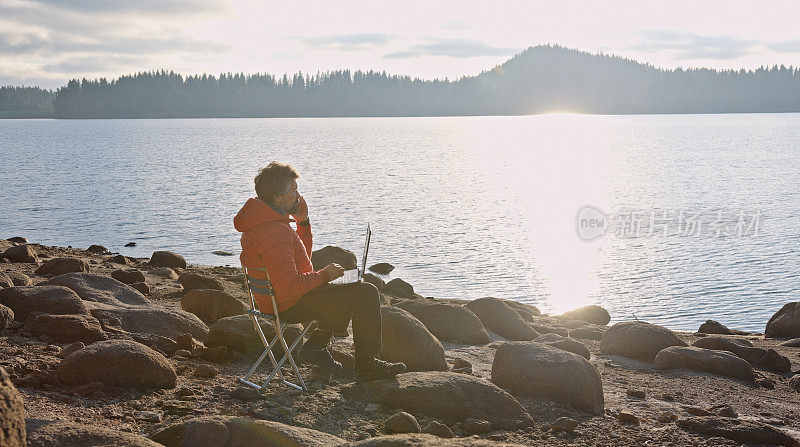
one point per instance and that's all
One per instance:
(672, 219)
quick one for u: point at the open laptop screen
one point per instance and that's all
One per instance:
(366, 251)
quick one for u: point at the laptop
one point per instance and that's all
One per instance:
(355, 275)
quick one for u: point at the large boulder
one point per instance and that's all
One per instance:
(232, 431)
(739, 430)
(374, 280)
(588, 332)
(97, 249)
(535, 369)
(448, 396)
(100, 289)
(528, 312)
(405, 339)
(448, 322)
(425, 440)
(500, 318)
(167, 259)
(20, 253)
(5, 281)
(152, 320)
(45, 433)
(333, 255)
(66, 328)
(238, 333)
(128, 276)
(763, 358)
(6, 316)
(715, 327)
(211, 305)
(399, 288)
(122, 363)
(705, 360)
(638, 340)
(590, 314)
(785, 323)
(54, 300)
(19, 278)
(60, 266)
(565, 344)
(192, 280)
(12, 413)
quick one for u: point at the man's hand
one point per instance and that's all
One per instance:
(334, 271)
(301, 213)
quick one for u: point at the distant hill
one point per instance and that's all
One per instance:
(541, 79)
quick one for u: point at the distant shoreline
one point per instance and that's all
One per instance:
(51, 115)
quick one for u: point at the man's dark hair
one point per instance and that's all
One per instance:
(274, 180)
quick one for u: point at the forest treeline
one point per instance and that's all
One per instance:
(541, 79)
(25, 102)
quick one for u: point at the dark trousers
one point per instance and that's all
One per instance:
(333, 306)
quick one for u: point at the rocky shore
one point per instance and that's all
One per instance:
(100, 349)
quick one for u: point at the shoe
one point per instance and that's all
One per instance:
(379, 369)
(320, 358)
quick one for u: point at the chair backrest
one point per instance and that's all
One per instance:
(262, 286)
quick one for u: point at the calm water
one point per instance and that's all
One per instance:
(464, 207)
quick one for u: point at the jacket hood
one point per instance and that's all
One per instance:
(256, 212)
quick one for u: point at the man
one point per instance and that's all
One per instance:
(301, 293)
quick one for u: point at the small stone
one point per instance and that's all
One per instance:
(130, 244)
(766, 383)
(436, 428)
(666, 417)
(477, 426)
(205, 371)
(635, 393)
(186, 342)
(459, 363)
(164, 272)
(222, 253)
(99, 249)
(381, 268)
(401, 422)
(218, 354)
(627, 418)
(149, 416)
(142, 287)
(695, 411)
(564, 424)
(724, 411)
(184, 391)
(183, 353)
(794, 383)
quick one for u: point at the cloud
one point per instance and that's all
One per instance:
(346, 42)
(93, 64)
(456, 48)
(159, 7)
(786, 46)
(687, 45)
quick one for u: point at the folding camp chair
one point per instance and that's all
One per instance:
(264, 287)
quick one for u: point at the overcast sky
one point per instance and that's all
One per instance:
(47, 42)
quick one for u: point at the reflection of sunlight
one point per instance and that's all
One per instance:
(563, 170)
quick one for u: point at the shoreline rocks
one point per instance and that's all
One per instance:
(638, 340)
(535, 369)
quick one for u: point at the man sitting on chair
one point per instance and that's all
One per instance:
(302, 294)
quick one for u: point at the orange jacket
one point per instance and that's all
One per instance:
(268, 241)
